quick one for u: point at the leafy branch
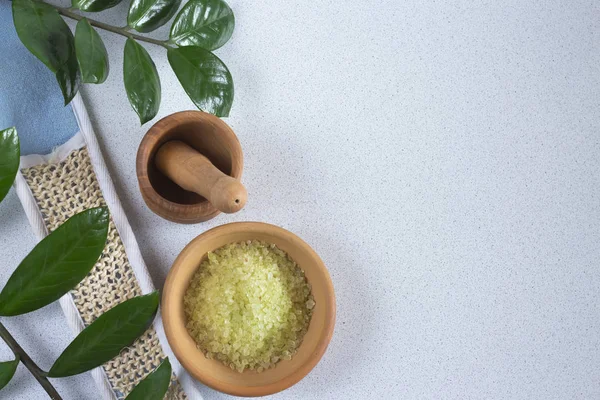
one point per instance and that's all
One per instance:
(200, 27)
(54, 267)
(8, 368)
(110, 28)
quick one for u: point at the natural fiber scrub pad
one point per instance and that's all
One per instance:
(71, 179)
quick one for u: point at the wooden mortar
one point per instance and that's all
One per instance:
(189, 166)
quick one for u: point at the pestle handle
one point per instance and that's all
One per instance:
(195, 173)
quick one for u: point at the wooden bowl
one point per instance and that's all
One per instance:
(212, 372)
(207, 134)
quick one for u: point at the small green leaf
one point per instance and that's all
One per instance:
(141, 81)
(104, 338)
(58, 263)
(48, 37)
(204, 77)
(7, 370)
(147, 15)
(9, 159)
(94, 5)
(205, 23)
(155, 385)
(91, 53)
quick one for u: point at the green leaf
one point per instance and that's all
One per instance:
(204, 77)
(155, 385)
(94, 5)
(205, 23)
(7, 370)
(69, 78)
(104, 338)
(147, 15)
(58, 263)
(91, 53)
(141, 81)
(48, 37)
(9, 159)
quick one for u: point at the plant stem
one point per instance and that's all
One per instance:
(29, 363)
(119, 31)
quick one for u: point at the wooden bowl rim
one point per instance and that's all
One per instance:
(170, 319)
(166, 208)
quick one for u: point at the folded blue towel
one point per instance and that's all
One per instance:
(30, 98)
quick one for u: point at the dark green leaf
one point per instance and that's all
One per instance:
(94, 5)
(48, 37)
(91, 53)
(141, 81)
(58, 263)
(205, 23)
(155, 385)
(7, 370)
(107, 336)
(9, 159)
(147, 15)
(42, 31)
(204, 77)
(69, 78)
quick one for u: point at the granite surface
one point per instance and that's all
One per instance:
(443, 158)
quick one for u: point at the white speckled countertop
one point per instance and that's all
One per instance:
(444, 161)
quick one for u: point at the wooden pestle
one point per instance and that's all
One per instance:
(195, 173)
